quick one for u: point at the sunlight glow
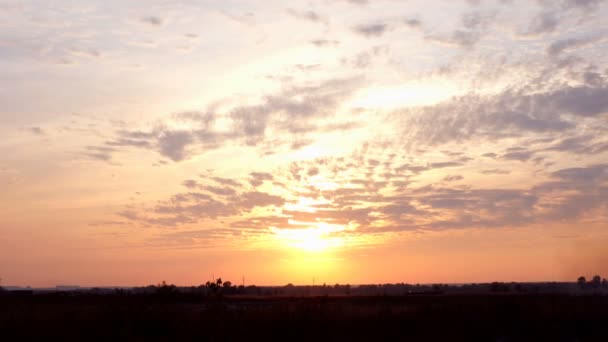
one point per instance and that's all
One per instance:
(315, 237)
(305, 204)
(312, 152)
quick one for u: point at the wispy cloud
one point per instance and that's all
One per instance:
(152, 20)
(371, 30)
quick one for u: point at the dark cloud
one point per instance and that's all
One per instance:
(441, 165)
(172, 144)
(580, 189)
(414, 169)
(553, 13)
(453, 178)
(449, 208)
(481, 208)
(220, 191)
(200, 237)
(582, 144)
(307, 67)
(251, 122)
(371, 30)
(102, 153)
(376, 194)
(226, 181)
(152, 20)
(583, 175)
(137, 135)
(324, 42)
(577, 100)
(258, 178)
(190, 184)
(36, 130)
(306, 15)
(581, 4)
(473, 25)
(175, 144)
(495, 172)
(507, 114)
(464, 38)
(86, 52)
(418, 168)
(300, 143)
(475, 20)
(413, 22)
(250, 200)
(129, 142)
(176, 213)
(395, 212)
(313, 171)
(169, 143)
(295, 110)
(561, 45)
(518, 153)
(365, 58)
(542, 23)
(192, 207)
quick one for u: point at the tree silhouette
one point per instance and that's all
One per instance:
(582, 282)
(227, 288)
(215, 286)
(596, 282)
(165, 289)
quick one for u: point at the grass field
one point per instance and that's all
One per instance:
(175, 316)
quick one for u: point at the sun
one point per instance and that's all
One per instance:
(311, 240)
(310, 237)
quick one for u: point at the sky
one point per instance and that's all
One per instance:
(272, 142)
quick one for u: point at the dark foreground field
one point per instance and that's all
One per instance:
(492, 317)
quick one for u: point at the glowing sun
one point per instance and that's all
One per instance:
(312, 237)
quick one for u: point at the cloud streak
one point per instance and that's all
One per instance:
(297, 110)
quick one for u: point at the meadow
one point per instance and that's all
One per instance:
(186, 315)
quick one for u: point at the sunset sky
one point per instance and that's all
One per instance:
(353, 141)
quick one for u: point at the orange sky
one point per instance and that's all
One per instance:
(345, 141)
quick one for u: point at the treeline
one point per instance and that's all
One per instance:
(219, 288)
(595, 283)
